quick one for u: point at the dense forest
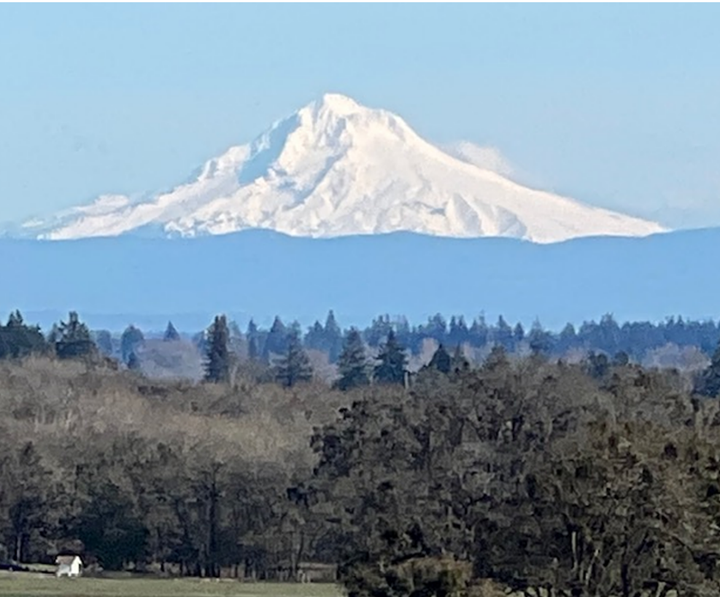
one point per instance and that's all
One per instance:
(520, 471)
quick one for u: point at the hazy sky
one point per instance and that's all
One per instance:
(616, 104)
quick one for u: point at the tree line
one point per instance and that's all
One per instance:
(590, 478)
(609, 337)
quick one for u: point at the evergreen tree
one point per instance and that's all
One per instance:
(333, 337)
(567, 338)
(436, 328)
(18, 340)
(217, 355)
(503, 334)
(518, 333)
(294, 367)
(171, 334)
(353, 364)
(479, 332)
(254, 340)
(441, 360)
(315, 337)
(538, 339)
(459, 332)
(378, 330)
(131, 338)
(277, 339)
(74, 339)
(392, 362)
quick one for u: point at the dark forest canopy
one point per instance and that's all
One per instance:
(589, 480)
(595, 477)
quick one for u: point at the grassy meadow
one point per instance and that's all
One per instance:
(35, 585)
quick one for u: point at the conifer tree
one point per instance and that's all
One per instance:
(74, 339)
(479, 332)
(18, 340)
(254, 340)
(131, 338)
(294, 367)
(171, 334)
(458, 330)
(538, 339)
(333, 337)
(315, 337)
(392, 362)
(503, 334)
(441, 360)
(277, 339)
(217, 355)
(353, 364)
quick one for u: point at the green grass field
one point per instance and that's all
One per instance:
(31, 585)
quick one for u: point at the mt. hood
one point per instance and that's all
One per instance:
(336, 168)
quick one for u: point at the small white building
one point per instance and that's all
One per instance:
(68, 566)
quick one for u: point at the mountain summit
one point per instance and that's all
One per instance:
(337, 168)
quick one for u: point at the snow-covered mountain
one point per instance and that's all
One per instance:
(336, 168)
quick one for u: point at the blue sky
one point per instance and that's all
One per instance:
(616, 105)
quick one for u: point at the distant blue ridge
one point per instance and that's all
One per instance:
(115, 281)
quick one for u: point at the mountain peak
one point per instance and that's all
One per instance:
(337, 103)
(337, 168)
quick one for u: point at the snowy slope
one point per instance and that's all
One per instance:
(336, 168)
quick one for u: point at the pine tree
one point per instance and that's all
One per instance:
(538, 339)
(441, 360)
(479, 332)
(131, 338)
(217, 355)
(333, 337)
(353, 364)
(315, 337)
(459, 332)
(171, 334)
(74, 339)
(378, 330)
(18, 340)
(254, 341)
(277, 339)
(503, 334)
(436, 328)
(392, 362)
(294, 367)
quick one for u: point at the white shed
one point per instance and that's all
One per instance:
(68, 566)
